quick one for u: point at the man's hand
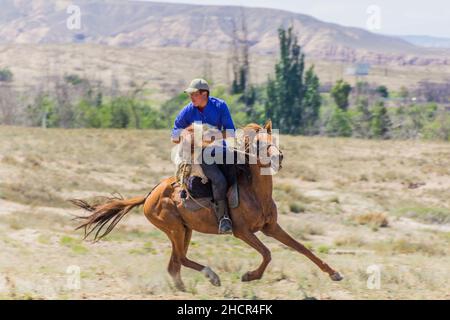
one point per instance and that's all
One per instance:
(176, 140)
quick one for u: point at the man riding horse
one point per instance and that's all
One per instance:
(214, 112)
(257, 210)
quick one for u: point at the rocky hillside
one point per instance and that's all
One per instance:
(151, 24)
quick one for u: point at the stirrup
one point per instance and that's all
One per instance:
(229, 231)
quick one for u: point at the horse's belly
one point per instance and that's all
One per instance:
(203, 220)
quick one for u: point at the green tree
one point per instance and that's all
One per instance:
(381, 123)
(404, 93)
(152, 118)
(170, 108)
(362, 88)
(235, 104)
(88, 115)
(42, 112)
(361, 118)
(311, 102)
(241, 58)
(74, 79)
(439, 128)
(340, 93)
(339, 124)
(285, 93)
(6, 75)
(239, 84)
(120, 113)
(382, 91)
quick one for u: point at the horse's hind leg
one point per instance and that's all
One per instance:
(187, 240)
(249, 238)
(278, 233)
(180, 242)
(174, 267)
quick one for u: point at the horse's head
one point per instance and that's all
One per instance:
(262, 143)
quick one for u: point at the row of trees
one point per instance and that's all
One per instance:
(74, 102)
(293, 98)
(294, 103)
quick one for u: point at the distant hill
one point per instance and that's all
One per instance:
(152, 24)
(427, 41)
(165, 45)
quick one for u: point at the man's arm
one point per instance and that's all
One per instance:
(228, 125)
(227, 121)
(180, 124)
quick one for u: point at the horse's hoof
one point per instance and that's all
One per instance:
(246, 277)
(215, 282)
(249, 277)
(212, 276)
(180, 286)
(336, 276)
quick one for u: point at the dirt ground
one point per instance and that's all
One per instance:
(377, 211)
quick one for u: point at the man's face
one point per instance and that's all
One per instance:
(199, 98)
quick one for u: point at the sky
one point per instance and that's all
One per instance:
(392, 17)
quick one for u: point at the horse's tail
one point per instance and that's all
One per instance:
(107, 213)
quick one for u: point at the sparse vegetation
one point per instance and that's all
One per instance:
(296, 207)
(323, 249)
(426, 214)
(351, 241)
(74, 244)
(39, 240)
(405, 246)
(6, 75)
(373, 219)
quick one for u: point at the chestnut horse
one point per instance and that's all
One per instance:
(163, 208)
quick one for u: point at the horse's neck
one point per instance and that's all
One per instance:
(261, 184)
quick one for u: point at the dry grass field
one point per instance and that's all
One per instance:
(33, 65)
(368, 208)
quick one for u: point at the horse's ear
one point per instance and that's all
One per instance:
(268, 126)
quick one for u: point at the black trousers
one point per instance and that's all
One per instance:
(218, 180)
(221, 175)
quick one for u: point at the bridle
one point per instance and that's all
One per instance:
(270, 145)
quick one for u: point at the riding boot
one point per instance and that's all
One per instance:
(221, 211)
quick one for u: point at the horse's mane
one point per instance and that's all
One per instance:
(252, 126)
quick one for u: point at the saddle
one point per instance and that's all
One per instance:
(199, 195)
(197, 192)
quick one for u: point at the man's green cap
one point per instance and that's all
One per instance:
(197, 84)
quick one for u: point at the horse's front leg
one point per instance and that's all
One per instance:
(249, 238)
(275, 231)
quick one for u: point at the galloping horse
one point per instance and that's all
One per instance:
(163, 208)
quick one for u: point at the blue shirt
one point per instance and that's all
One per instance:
(216, 113)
